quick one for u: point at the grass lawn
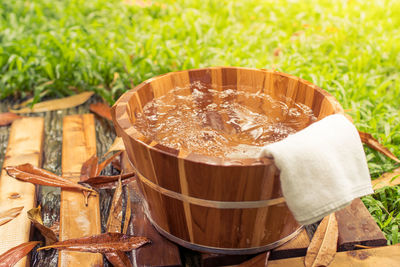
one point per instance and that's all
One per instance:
(53, 48)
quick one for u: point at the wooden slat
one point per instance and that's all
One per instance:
(211, 260)
(356, 226)
(76, 219)
(259, 260)
(294, 248)
(388, 256)
(160, 252)
(24, 146)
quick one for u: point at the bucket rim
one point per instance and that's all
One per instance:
(124, 127)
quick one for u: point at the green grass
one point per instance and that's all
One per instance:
(53, 48)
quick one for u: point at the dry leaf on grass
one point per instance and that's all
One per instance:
(101, 109)
(30, 100)
(29, 173)
(114, 220)
(7, 118)
(10, 214)
(387, 179)
(109, 182)
(36, 218)
(118, 259)
(55, 104)
(323, 245)
(12, 256)
(367, 139)
(103, 243)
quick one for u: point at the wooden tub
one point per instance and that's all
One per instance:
(207, 203)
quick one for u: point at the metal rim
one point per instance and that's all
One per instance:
(227, 251)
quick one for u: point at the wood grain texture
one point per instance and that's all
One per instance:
(294, 248)
(161, 252)
(261, 260)
(77, 219)
(24, 146)
(357, 227)
(211, 178)
(388, 256)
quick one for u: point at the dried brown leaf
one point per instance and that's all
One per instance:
(323, 245)
(10, 214)
(116, 163)
(367, 139)
(103, 243)
(117, 145)
(29, 173)
(118, 259)
(107, 161)
(30, 100)
(128, 211)
(114, 220)
(36, 218)
(12, 256)
(89, 168)
(7, 118)
(387, 179)
(101, 109)
(56, 104)
(109, 182)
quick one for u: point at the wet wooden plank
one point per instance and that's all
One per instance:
(24, 146)
(211, 259)
(259, 260)
(161, 252)
(294, 248)
(356, 226)
(387, 256)
(77, 219)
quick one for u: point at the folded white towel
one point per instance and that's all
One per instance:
(323, 168)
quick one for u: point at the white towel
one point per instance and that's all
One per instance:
(323, 168)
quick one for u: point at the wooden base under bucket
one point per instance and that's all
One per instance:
(208, 203)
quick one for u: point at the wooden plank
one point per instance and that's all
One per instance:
(294, 248)
(24, 146)
(356, 226)
(211, 259)
(161, 252)
(260, 260)
(77, 219)
(387, 256)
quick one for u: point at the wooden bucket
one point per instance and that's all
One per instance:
(207, 203)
